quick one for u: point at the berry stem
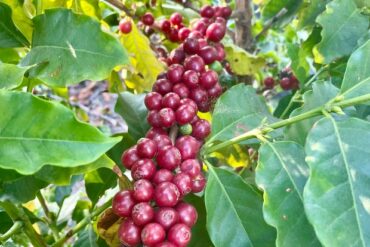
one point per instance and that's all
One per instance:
(173, 133)
(118, 4)
(49, 216)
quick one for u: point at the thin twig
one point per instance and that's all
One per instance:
(272, 21)
(119, 5)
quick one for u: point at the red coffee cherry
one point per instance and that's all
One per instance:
(144, 168)
(200, 26)
(226, 12)
(188, 147)
(153, 233)
(154, 119)
(129, 233)
(269, 82)
(191, 167)
(184, 33)
(207, 11)
(191, 46)
(162, 86)
(177, 56)
(169, 158)
(174, 73)
(195, 63)
(129, 157)
(191, 79)
(179, 234)
(201, 129)
(199, 95)
(165, 26)
(176, 19)
(153, 132)
(153, 101)
(198, 183)
(162, 141)
(142, 214)
(188, 101)
(215, 32)
(181, 90)
(171, 100)
(188, 214)
(167, 217)
(167, 117)
(146, 148)
(123, 202)
(209, 54)
(143, 190)
(148, 19)
(215, 91)
(166, 194)
(166, 244)
(285, 83)
(183, 183)
(184, 114)
(208, 79)
(125, 26)
(162, 175)
(173, 35)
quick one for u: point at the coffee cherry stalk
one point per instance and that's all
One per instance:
(165, 165)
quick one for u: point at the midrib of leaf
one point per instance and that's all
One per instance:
(230, 201)
(76, 49)
(337, 134)
(12, 34)
(286, 170)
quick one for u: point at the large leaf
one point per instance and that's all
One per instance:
(87, 7)
(237, 111)
(234, 212)
(146, 65)
(35, 132)
(299, 65)
(11, 75)
(321, 93)
(76, 51)
(242, 62)
(282, 173)
(343, 26)
(309, 12)
(132, 109)
(273, 7)
(10, 36)
(356, 79)
(98, 181)
(87, 238)
(337, 194)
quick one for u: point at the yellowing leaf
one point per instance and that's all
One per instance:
(233, 155)
(107, 227)
(87, 7)
(147, 66)
(242, 62)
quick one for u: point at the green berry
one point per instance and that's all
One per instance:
(140, 11)
(186, 129)
(216, 66)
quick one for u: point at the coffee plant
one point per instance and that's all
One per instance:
(184, 123)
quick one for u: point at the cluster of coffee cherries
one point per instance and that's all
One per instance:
(164, 165)
(287, 81)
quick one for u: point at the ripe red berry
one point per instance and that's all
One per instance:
(220, 51)
(191, 167)
(148, 19)
(179, 234)
(162, 175)
(177, 56)
(269, 82)
(165, 26)
(226, 12)
(184, 114)
(125, 26)
(188, 214)
(202, 43)
(220, 20)
(183, 183)
(199, 95)
(176, 19)
(153, 132)
(195, 63)
(143, 190)
(173, 35)
(162, 86)
(294, 82)
(171, 100)
(167, 117)
(174, 73)
(209, 54)
(195, 34)
(215, 32)
(153, 233)
(188, 147)
(207, 11)
(129, 233)
(142, 213)
(154, 119)
(144, 168)
(198, 183)
(184, 33)
(285, 83)
(201, 129)
(181, 90)
(200, 26)
(129, 157)
(123, 202)
(167, 217)
(190, 79)
(215, 91)
(191, 46)
(162, 141)
(188, 101)
(166, 244)
(166, 194)
(208, 79)
(169, 158)
(153, 101)
(146, 148)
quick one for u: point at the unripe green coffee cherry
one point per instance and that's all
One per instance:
(216, 66)
(186, 129)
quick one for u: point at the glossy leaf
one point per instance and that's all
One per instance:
(11, 75)
(273, 7)
(87, 238)
(282, 173)
(87, 7)
(237, 111)
(98, 181)
(10, 36)
(336, 196)
(234, 212)
(242, 62)
(142, 58)
(65, 58)
(309, 11)
(299, 63)
(132, 109)
(38, 132)
(343, 26)
(321, 93)
(356, 81)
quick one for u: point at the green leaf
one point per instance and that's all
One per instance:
(242, 62)
(237, 111)
(273, 7)
(98, 181)
(132, 109)
(11, 75)
(5, 222)
(234, 212)
(10, 36)
(65, 58)
(337, 194)
(309, 11)
(343, 26)
(356, 81)
(283, 104)
(321, 93)
(282, 173)
(87, 238)
(199, 234)
(39, 132)
(299, 64)
(142, 58)
(9, 55)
